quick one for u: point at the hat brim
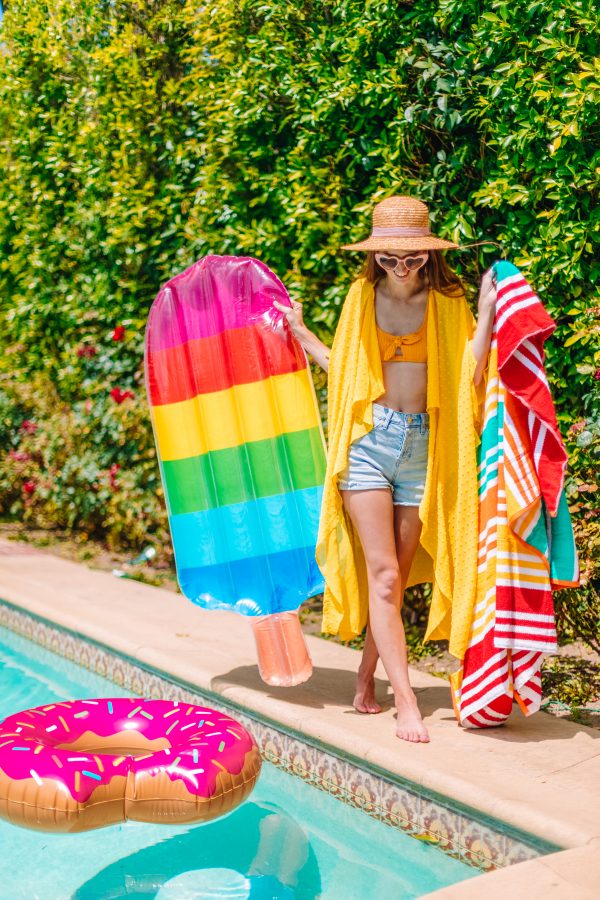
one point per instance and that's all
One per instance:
(402, 243)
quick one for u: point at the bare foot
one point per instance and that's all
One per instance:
(364, 699)
(410, 725)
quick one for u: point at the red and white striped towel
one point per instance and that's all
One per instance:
(526, 545)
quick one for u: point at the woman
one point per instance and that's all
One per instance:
(405, 391)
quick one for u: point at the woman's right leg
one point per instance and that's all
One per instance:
(364, 698)
(372, 514)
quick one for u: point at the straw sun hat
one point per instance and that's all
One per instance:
(401, 223)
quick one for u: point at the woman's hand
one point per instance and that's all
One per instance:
(294, 317)
(486, 310)
(486, 304)
(311, 343)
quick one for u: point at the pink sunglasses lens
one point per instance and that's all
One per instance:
(413, 262)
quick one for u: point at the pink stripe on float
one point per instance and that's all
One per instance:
(214, 295)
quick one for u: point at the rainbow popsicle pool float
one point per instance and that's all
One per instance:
(241, 451)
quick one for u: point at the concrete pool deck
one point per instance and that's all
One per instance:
(541, 775)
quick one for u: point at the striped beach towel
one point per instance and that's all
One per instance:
(526, 544)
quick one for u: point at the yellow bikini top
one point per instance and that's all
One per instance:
(404, 347)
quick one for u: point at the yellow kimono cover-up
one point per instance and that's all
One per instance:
(447, 553)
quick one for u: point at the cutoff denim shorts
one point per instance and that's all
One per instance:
(392, 455)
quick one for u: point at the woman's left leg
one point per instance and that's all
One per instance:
(407, 532)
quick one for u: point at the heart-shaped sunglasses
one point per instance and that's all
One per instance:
(410, 263)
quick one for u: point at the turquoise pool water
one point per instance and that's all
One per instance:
(289, 840)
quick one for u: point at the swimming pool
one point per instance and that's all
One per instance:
(288, 840)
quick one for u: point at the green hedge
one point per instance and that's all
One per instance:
(138, 135)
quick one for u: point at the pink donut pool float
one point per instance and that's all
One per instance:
(83, 764)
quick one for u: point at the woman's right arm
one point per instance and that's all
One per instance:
(319, 351)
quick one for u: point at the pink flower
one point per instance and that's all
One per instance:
(88, 406)
(112, 475)
(597, 375)
(29, 487)
(119, 396)
(18, 456)
(28, 427)
(119, 333)
(87, 350)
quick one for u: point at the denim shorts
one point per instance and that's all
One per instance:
(392, 455)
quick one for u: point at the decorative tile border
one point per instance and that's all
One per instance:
(454, 831)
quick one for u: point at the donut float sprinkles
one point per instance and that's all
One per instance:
(83, 764)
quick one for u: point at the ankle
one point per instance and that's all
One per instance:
(405, 698)
(365, 673)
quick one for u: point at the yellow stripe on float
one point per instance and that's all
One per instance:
(243, 413)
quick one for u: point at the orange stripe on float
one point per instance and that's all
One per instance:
(252, 353)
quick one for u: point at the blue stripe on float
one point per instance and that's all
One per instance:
(274, 524)
(258, 585)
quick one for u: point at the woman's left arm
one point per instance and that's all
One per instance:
(486, 310)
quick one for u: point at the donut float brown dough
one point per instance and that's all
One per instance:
(87, 763)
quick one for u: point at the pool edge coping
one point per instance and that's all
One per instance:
(504, 830)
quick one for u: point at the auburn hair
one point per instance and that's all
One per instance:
(440, 275)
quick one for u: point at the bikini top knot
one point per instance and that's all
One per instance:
(406, 347)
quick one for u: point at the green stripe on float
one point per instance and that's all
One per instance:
(288, 462)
